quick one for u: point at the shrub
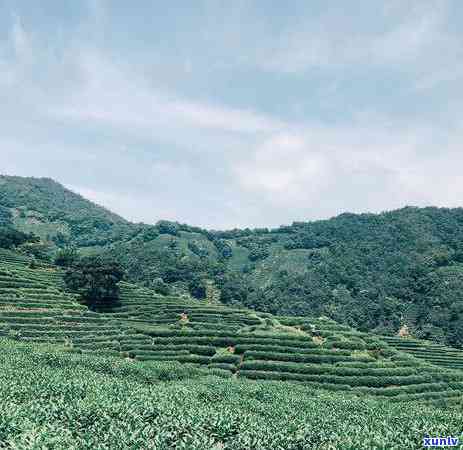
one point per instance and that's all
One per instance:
(231, 359)
(223, 366)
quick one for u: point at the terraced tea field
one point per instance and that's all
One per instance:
(436, 354)
(230, 342)
(55, 399)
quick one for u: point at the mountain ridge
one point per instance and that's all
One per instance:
(370, 271)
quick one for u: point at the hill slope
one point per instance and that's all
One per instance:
(56, 214)
(56, 399)
(373, 272)
(316, 352)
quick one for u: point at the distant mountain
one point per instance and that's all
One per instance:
(56, 214)
(399, 270)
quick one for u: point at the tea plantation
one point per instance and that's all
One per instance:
(439, 355)
(241, 343)
(158, 371)
(52, 399)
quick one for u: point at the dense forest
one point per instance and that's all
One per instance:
(383, 272)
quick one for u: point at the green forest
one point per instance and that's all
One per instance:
(398, 270)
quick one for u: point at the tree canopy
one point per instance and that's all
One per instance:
(96, 279)
(9, 237)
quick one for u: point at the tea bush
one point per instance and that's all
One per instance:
(55, 400)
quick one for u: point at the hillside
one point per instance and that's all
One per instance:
(373, 272)
(44, 207)
(51, 398)
(229, 342)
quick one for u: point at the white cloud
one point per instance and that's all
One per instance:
(18, 44)
(414, 40)
(126, 204)
(281, 165)
(20, 41)
(110, 95)
(354, 168)
(122, 138)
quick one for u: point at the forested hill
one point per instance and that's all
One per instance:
(383, 272)
(53, 212)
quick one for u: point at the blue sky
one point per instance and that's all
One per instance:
(233, 114)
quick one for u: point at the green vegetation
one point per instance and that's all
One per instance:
(53, 398)
(169, 371)
(439, 355)
(66, 257)
(145, 326)
(372, 272)
(56, 214)
(11, 238)
(95, 279)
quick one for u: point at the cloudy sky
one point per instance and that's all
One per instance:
(236, 113)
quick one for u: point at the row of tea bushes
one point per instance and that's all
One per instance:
(436, 354)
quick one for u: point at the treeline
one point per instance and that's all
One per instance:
(11, 238)
(373, 272)
(376, 272)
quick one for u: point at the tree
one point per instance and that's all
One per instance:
(66, 257)
(9, 237)
(166, 227)
(197, 288)
(160, 287)
(223, 248)
(37, 249)
(5, 216)
(96, 279)
(60, 239)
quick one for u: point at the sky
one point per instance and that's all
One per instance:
(236, 114)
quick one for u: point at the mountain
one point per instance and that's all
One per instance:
(145, 326)
(146, 367)
(56, 214)
(389, 272)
